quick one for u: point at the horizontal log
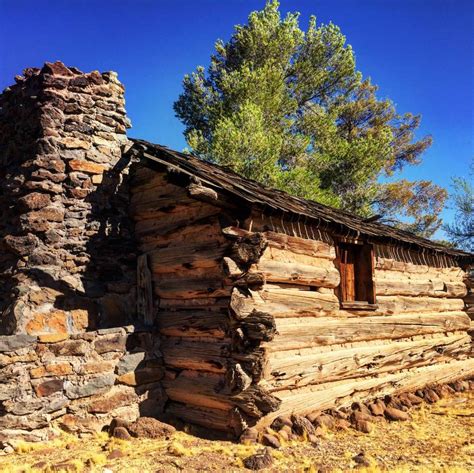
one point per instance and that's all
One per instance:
(418, 287)
(211, 355)
(352, 362)
(294, 333)
(194, 303)
(192, 289)
(167, 196)
(283, 302)
(310, 247)
(343, 393)
(297, 273)
(193, 324)
(420, 269)
(214, 419)
(198, 389)
(197, 233)
(143, 179)
(162, 223)
(208, 390)
(401, 304)
(188, 256)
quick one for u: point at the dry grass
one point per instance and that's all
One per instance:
(438, 438)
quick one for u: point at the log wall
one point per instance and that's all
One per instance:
(251, 323)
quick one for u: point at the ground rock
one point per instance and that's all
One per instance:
(280, 422)
(363, 426)
(259, 461)
(148, 427)
(302, 426)
(270, 441)
(395, 414)
(121, 433)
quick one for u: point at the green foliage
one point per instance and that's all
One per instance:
(289, 108)
(461, 231)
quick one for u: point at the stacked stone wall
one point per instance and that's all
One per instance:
(67, 257)
(72, 355)
(77, 383)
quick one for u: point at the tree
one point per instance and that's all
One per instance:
(461, 231)
(288, 108)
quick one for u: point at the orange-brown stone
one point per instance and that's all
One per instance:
(52, 322)
(56, 369)
(80, 319)
(86, 166)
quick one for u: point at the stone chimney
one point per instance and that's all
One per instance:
(67, 261)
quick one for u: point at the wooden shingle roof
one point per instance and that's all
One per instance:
(223, 179)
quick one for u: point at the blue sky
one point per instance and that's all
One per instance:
(419, 52)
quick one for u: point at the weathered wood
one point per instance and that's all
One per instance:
(258, 326)
(292, 244)
(256, 401)
(248, 250)
(301, 332)
(161, 222)
(295, 370)
(402, 304)
(283, 302)
(192, 289)
(419, 287)
(296, 273)
(214, 419)
(198, 389)
(200, 192)
(198, 233)
(199, 323)
(194, 303)
(145, 310)
(201, 255)
(210, 355)
(343, 393)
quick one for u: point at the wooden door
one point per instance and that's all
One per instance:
(347, 269)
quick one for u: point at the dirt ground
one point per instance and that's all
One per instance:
(439, 437)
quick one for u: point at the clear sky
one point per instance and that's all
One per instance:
(419, 52)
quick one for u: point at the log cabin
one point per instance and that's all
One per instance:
(268, 304)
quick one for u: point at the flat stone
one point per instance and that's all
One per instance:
(70, 348)
(15, 342)
(91, 387)
(142, 376)
(52, 337)
(129, 363)
(54, 369)
(107, 343)
(86, 166)
(112, 400)
(49, 387)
